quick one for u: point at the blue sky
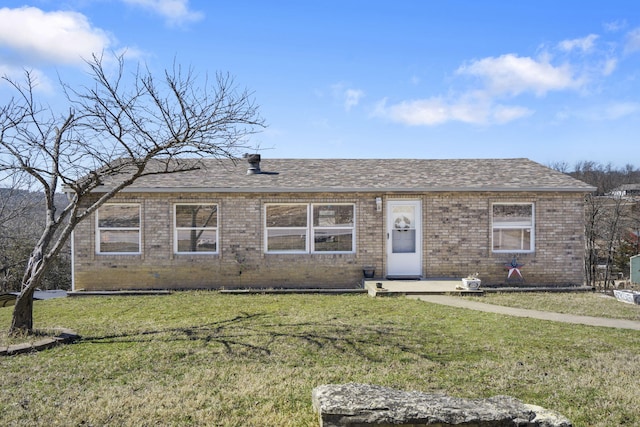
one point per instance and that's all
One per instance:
(554, 81)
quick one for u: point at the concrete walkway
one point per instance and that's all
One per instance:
(523, 312)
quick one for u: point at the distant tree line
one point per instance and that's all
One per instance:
(21, 224)
(605, 178)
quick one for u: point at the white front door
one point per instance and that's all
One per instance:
(404, 238)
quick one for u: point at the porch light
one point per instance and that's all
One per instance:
(379, 204)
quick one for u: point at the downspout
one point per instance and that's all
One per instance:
(73, 252)
(73, 262)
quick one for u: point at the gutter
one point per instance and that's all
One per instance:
(352, 190)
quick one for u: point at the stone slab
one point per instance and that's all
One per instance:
(360, 405)
(628, 296)
(63, 336)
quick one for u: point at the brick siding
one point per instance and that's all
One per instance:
(456, 242)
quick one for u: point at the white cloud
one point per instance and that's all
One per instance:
(347, 96)
(604, 112)
(176, 12)
(609, 66)
(492, 80)
(429, 112)
(584, 44)
(633, 41)
(55, 37)
(504, 114)
(513, 75)
(618, 110)
(436, 111)
(615, 26)
(352, 98)
(504, 76)
(601, 61)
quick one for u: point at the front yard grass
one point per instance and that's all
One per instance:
(582, 303)
(205, 358)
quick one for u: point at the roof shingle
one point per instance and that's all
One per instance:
(364, 175)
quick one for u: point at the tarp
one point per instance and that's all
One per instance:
(9, 299)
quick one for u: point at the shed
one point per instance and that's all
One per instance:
(634, 264)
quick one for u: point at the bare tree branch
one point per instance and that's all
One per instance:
(119, 129)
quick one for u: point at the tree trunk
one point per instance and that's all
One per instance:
(22, 320)
(23, 312)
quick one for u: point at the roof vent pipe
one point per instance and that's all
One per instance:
(254, 163)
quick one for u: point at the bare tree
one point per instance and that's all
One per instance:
(559, 166)
(593, 212)
(612, 234)
(608, 218)
(15, 205)
(20, 227)
(120, 128)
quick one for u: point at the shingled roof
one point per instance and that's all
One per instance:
(363, 175)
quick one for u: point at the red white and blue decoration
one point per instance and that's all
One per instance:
(514, 269)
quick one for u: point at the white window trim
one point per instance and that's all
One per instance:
(532, 228)
(333, 227)
(99, 230)
(266, 230)
(309, 230)
(176, 228)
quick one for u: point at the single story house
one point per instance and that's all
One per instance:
(317, 223)
(626, 190)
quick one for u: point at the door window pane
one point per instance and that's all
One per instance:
(404, 217)
(404, 241)
(403, 234)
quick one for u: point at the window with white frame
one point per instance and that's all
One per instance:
(286, 227)
(118, 228)
(310, 228)
(333, 228)
(195, 228)
(513, 227)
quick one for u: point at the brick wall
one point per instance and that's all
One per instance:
(456, 242)
(458, 238)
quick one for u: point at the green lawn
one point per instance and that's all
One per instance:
(584, 304)
(204, 358)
